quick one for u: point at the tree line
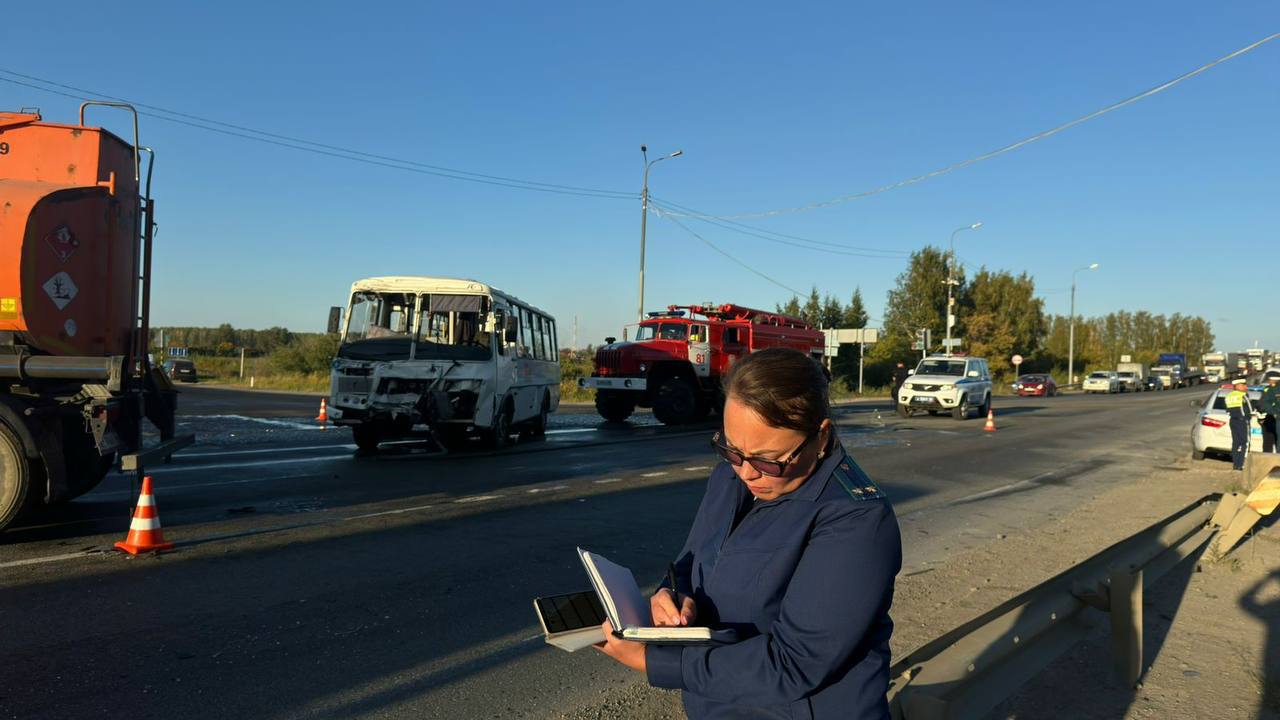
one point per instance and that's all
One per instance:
(287, 351)
(998, 315)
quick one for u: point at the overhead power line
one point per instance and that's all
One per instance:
(777, 237)
(1007, 148)
(728, 255)
(294, 143)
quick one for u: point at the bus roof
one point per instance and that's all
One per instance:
(420, 284)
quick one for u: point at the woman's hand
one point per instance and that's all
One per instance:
(663, 608)
(627, 652)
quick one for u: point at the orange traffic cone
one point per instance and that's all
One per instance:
(323, 417)
(991, 421)
(144, 532)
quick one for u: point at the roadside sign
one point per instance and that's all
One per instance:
(917, 345)
(1016, 360)
(178, 352)
(1126, 358)
(952, 343)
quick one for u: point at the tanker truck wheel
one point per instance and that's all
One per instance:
(675, 403)
(15, 478)
(367, 436)
(614, 407)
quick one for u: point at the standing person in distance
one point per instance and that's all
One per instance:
(900, 376)
(1240, 412)
(1269, 406)
(793, 549)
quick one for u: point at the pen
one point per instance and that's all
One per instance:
(675, 594)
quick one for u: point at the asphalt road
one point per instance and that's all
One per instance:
(309, 582)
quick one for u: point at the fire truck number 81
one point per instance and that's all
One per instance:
(699, 359)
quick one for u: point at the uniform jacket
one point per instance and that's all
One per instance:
(806, 582)
(1270, 402)
(1238, 405)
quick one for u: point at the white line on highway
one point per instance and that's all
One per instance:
(264, 421)
(172, 469)
(477, 498)
(399, 511)
(162, 488)
(697, 468)
(566, 431)
(46, 559)
(608, 480)
(546, 489)
(658, 473)
(266, 451)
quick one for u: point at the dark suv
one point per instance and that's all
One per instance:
(183, 370)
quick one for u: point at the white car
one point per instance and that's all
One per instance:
(941, 383)
(1102, 381)
(1212, 433)
(1129, 381)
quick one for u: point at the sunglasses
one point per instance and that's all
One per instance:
(773, 468)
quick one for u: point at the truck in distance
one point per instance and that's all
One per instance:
(1132, 376)
(445, 358)
(678, 356)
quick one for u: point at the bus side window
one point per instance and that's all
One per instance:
(731, 336)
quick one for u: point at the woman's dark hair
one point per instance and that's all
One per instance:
(786, 388)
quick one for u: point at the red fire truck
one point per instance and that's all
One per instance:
(675, 363)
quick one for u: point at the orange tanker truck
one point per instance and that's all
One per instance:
(76, 382)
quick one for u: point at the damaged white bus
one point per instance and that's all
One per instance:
(442, 357)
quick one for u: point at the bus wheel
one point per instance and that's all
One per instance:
(537, 427)
(15, 477)
(367, 436)
(499, 436)
(614, 407)
(675, 403)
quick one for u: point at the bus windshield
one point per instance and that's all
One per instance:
(453, 328)
(380, 327)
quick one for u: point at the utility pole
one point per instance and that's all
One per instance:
(950, 318)
(644, 216)
(1071, 327)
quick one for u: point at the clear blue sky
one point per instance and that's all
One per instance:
(774, 107)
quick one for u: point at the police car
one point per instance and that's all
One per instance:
(945, 383)
(1211, 435)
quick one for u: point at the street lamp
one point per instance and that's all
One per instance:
(1071, 332)
(951, 281)
(644, 214)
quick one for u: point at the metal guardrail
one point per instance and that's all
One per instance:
(969, 670)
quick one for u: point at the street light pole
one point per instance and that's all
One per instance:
(644, 215)
(951, 281)
(1071, 326)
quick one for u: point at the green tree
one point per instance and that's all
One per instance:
(855, 313)
(812, 310)
(917, 301)
(792, 308)
(832, 312)
(1003, 316)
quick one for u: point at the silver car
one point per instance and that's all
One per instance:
(1102, 381)
(1212, 434)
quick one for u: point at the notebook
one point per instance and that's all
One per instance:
(571, 622)
(628, 609)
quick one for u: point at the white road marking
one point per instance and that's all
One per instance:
(697, 468)
(566, 431)
(608, 480)
(658, 473)
(172, 469)
(47, 559)
(292, 424)
(399, 511)
(546, 489)
(162, 488)
(477, 498)
(276, 451)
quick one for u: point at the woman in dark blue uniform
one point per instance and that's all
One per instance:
(794, 549)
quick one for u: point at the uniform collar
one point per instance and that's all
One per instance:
(817, 482)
